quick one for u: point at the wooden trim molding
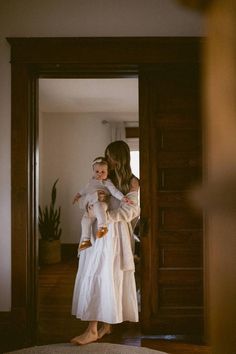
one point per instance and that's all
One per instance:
(5, 331)
(130, 51)
(132, 132)
(31, 59)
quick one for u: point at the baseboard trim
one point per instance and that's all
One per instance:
(5, 330)
(5, 318)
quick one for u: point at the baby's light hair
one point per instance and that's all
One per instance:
(100, 160)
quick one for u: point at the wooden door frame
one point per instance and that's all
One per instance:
(34, 58)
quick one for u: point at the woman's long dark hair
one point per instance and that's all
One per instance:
(121, 175)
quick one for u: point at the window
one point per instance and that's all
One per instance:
(135, 162)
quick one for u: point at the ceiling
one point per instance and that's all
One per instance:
(159, 18)
(88, 95)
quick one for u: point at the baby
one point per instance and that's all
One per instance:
(99, 182)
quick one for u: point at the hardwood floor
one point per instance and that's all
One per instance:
(55, 323)
(174, 347)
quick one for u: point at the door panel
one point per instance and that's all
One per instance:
(171, 163)
(177, 178)
(177, 218)
(179, 256)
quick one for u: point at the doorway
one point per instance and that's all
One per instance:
(164, 66)
(78, 118)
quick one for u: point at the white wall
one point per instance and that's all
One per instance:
(52, 18)
(68, 144)
(5, 207)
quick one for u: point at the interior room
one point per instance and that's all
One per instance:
(78, 119)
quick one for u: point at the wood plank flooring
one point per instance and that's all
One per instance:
(55, 323)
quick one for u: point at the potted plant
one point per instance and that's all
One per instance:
(50, 231)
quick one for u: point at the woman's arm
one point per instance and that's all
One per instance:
(134, 184)
(127, 212)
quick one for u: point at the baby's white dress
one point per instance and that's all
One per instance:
(105, 288)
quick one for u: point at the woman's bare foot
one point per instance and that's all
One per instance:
(85, 338)
(105, 329)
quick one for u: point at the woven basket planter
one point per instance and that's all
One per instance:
(49, 251)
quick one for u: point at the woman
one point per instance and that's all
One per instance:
(105, 289)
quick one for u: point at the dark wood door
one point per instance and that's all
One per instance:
(171, 230)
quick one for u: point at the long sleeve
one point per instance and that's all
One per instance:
(113, 190)
(125, 212)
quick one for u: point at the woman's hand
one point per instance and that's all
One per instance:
(76, 198)
(89, 208)
(102, 196)
(127, 200)
(134, 185)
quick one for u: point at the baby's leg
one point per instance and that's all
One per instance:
(99, 209)
(86, 224)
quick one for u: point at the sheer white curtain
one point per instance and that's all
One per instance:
(117, 131)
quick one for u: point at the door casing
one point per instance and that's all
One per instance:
(34, 58)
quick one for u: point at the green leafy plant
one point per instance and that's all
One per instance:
(49, 218)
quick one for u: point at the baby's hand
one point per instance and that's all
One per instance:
(76, 198)
(127, 200)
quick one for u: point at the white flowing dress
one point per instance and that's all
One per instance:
(105, 288)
